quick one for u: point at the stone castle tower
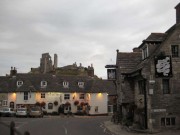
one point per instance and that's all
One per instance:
(46, 64)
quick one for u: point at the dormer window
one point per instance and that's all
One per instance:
(19, 83)
(66, 84)
(43, 83)
(81, 84)
(145, 52)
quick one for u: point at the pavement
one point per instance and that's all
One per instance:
(117, 129)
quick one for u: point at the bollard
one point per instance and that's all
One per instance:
(12, 125)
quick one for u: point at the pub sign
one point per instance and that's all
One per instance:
(163, 66)
(111, 73)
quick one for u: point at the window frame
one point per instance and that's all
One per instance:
(26, 95)
(66, 96)
(4, 103)
(50, 106)
(66, 84)
(166, 85)
(19, 83)
(168, 121)
(82, 96)
(43, 84)
(43, 95)
(141, 85)
(145, 52)
(175, 51)
(81, 84)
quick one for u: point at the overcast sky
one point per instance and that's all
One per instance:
(81, 31)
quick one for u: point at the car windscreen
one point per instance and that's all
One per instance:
(21, 109)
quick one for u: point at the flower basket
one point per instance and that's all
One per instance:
(38, 104)
(43, 104)
(76, 102)
(82, 104)
(55, 103)
(67, 104)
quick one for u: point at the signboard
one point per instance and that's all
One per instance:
(111, 74)
(158, 110)
(163, 66)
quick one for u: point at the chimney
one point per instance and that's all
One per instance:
(13, 72)
(177, 13)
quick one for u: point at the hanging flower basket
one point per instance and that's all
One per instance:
(67, 104)
(76, 102)
(82, 104)
(86, 103)
(38, 104)
(55, 103)
(43, 104)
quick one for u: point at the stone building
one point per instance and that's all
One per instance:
(148, 81)
(47, 66)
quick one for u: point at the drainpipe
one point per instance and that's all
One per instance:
(145, 105)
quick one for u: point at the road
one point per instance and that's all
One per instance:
(58, 125)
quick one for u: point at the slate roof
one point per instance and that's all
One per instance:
(128, 61)
(32, 82)
(156, 37)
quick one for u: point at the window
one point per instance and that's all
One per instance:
(165, 84)
(96, 109)
(25, 95)
(145, 52)
(66, 84)
(4, 103)
(19, 83)
(141, 86)
(11, 104)
(175, 50)
(50, 106)
(171, 121)
(81, 96)
(42, 95)
(81, 84)
(43, 84)
(66, 96)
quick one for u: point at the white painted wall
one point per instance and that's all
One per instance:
(99, 100)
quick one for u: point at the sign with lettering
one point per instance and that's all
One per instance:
(163, 66)
(111, 74)
(158, 110)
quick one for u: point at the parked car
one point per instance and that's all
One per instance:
(36, 112)
(22, 112)
(9, 112)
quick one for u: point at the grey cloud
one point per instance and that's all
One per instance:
(82, 31)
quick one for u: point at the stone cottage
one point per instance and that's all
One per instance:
(148, 81)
